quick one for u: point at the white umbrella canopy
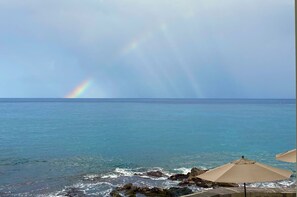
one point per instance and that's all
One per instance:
(289, 156)
(245, 171)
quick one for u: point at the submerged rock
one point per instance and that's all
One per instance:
(181, 177)
(115, 193)
(196, 181)
(205, 184)
(196, 172)
(178, 177)
(191, 179)
(72, 192)
(131, 190)
(155, 174)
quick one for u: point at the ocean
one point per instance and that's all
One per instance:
(94, 145)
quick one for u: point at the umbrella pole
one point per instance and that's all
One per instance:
(244, 189)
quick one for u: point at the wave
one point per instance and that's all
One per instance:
(182, 170)
(102, 184)
(128, 172)
(92, 189)
(276, 184)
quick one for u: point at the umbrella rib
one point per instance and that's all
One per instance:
(224, 172)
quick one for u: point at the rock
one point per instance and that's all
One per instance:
(72, 192)
(185, 183)
(157, 192)
(195, 181)
(177, 191)
(178, 177)
(128, 186)
(155, 173)
(131, 190)
(115, 193)
(192, 179)
(196, 172)
(203, 183)
(181, 177)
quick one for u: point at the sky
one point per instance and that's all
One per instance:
(147, 49)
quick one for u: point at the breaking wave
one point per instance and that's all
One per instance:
(102, 184)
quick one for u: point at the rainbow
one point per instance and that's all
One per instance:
(79, 90)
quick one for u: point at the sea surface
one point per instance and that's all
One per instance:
(94, 145)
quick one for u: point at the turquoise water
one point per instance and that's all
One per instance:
(47, 145)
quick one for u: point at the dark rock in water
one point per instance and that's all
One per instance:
(115, 193)
(192, 179)
(186, 182)
(205, 184)
(181, 177)
(196, 172)
(72, 192)
(155, 173)
(132, 190)
(155, 192)
(196, 181)
(202, 183)
(127, 186)
(178, 191)
(178, 177)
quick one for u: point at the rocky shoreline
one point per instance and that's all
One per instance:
(185, 180)
(142, 183)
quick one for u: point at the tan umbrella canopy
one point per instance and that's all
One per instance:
(289, 156)
(245, 171)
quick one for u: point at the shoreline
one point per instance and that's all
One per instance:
(188, 182)
(143, 181)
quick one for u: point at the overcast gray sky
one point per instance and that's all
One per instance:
(147, 48)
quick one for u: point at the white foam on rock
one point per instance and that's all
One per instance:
(91, 176)
(182, 170)
(110, 176)
(124, 171)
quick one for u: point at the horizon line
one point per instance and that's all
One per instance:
(142, 98)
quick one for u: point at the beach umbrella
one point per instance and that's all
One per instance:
(245, 171)
(289, 156)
